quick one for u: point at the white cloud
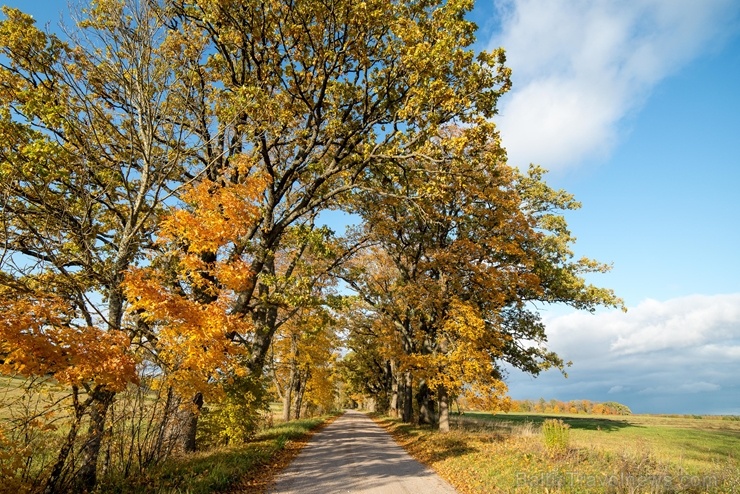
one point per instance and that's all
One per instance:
(695, 322)
(653, 358)
(580, 66)
(686, 322)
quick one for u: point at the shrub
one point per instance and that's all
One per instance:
(238, 416)
(557, 435)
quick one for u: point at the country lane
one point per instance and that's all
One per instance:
(353, 454)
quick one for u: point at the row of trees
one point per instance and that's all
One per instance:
(164, 166)
(573, 406)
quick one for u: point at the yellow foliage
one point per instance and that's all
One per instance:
(194, 327)
(218, 215)
(37, 338)
(192, 337)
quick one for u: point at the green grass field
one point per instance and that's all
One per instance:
(486, 453)
(694, 443)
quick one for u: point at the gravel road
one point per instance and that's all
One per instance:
(353, 454)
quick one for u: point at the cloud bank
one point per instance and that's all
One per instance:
(581, 66)
(676, 356)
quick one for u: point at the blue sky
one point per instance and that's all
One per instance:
(634, 106)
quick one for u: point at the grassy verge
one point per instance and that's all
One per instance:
(501, 454)
(694, 444)
(247, 468)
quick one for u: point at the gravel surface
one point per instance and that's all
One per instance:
(353, 454)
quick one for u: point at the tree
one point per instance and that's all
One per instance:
(90, 146)
(474, 243)
(313, 95)
(303, 356)
(367, 368)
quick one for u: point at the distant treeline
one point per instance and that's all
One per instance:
(574, 406)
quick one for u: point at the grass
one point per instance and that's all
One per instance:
(557, 436)
(693, 444)
(247, 468)
(487, 453)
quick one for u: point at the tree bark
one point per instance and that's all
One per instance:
(191, 423)
(408, 407)
(393, 409)
(299, 390)
(101, 400)
(444, 409)
(288, 399)
(426, 405)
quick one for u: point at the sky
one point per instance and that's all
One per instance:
(634, 107)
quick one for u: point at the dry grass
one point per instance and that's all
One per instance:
(492, 455)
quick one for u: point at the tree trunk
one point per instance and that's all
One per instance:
(101, 400)
(299, 390)
(408, 406)
(191, 423)
(288, 399)
(294, 382)
(393, 409)
(444, 409)
(265, 321)
(426, 405)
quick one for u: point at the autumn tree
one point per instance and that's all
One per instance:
(180, 302)
(184, 299)
(302, 362)
(368, 367)
(314, 95)
(474, 243)
(91, 147)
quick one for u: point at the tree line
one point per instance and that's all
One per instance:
(164, 169)
(572, 406)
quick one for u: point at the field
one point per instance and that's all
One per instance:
(487, 453)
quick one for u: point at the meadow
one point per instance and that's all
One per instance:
(487, 453)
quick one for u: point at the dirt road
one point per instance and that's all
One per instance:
(353, 454)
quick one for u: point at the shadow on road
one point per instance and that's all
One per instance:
(355, 455)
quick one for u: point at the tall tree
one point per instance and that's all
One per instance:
(314, 95)
(90, 146)
(474, 243)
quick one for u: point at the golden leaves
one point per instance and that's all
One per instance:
(219, 214)
(192, 338)
(37, 338)
(191, 308)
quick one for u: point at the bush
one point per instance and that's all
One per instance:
(557, 435)
(237, 417)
